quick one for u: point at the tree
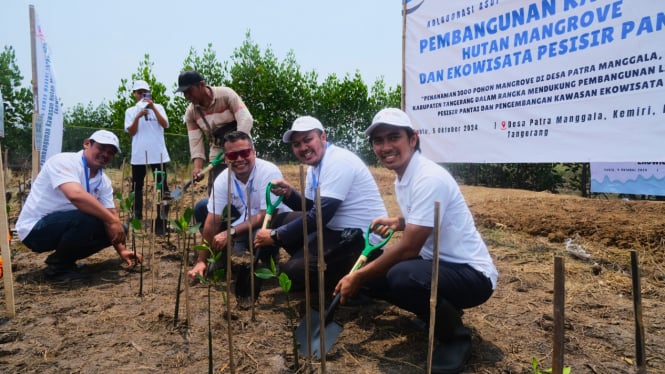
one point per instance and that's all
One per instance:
(18, 111)
(81, 121)
(275, 92)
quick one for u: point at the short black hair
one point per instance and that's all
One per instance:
(234, 136)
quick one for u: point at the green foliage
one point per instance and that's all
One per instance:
(17, 104)
(536, 368)
(182, 223)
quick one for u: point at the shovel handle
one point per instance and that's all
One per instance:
(211, 165)
(371, 248)
(331, 309)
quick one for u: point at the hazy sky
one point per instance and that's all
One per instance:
(96, 43)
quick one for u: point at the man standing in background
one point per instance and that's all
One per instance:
(145, 122)
(214, 111)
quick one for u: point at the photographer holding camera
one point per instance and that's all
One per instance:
(145, 122)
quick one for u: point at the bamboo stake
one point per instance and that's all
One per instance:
(308, 302)
(6, 252)
(229, 248)
(640, 359)
(248, 218)
(435, 286)
(322, 269)
(559, 300)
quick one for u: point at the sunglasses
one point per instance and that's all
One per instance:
(244, 153)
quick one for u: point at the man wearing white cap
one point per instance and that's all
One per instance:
(145, 122)
(402, 274)
(70, 209)
(350, 198)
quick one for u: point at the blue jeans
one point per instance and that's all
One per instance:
(72, 234)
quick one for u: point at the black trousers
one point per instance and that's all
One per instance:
(341, 250)
(138, 178)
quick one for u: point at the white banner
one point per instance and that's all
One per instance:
(539, 81)
(49, 123)
(637, 178)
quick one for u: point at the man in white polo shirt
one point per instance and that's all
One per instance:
(145, 123)
(402, 274)
(350, 198)
(70, 209)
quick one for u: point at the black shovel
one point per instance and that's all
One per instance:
(332, 328)
(244, 277)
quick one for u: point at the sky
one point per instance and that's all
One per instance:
(94, 44)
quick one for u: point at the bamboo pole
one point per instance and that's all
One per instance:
(640, 359)
(35, 94)
(229, 249)
(558, 329)
(434, 287)
(403, 103)
(252, 281)
(8, 278)
(308, 302)
(322, 270)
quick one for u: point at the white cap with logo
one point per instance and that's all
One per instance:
(106, 137)
(389, 116)
(302, 124)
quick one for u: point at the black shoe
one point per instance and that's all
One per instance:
(60, 274)
(449, 357)
(159, 227)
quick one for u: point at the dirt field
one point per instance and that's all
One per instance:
(102, 325)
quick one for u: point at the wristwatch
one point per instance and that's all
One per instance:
(275, 237)
(232, 231)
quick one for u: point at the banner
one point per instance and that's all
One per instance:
(49, 123)
(637, 178)
(540, 81)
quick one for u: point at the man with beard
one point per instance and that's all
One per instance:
(349, 199)
(70, 209)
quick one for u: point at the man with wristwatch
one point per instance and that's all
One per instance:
(249, 179)
(349, 200)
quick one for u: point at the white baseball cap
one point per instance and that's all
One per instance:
(389, 116)
(106, 137)
(141, 85)
(302, 124)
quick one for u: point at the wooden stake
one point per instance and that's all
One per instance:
(640, 359)
(229, 249)
(6, 252)
(322, 270)
(248, 219)
(559, 320)
(434, 287)
(308, 302)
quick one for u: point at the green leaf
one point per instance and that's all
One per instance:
(284, 282)
(264, 273)
(202, 247)
(136, 223)
(194, 229)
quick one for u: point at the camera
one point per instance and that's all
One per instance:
(147, 95)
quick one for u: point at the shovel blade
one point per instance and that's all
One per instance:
(332, 331)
